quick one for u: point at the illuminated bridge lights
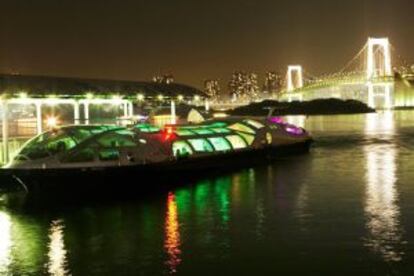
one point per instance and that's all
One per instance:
(372, 67)
(297, 81)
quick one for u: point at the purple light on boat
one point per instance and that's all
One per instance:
(294, 130)
(276, 120)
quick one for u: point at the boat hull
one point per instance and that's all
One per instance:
(137, 177)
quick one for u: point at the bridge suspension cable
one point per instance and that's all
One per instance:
(401, 61)
(354, 59)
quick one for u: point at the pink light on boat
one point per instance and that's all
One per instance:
(294, 130)
(276, 120)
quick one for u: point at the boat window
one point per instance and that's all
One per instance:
(81, 134)
(202, 131)
(220, 144)
(236, 141)
(125, 132)
(249, 138)
(60, 144)
(218, 124)
(115, 140)
(254, 123)
(221, 130)
(201, 145)
(184, 132)
(108, 155)
(33, 152)
(147, 128)
(48, 144)
(35, 148)
(84, 155)
(181, 149)
(242, 128)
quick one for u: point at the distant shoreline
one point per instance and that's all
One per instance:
(315, 107)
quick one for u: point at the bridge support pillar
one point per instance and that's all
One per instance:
(372, 67)
(297, 82)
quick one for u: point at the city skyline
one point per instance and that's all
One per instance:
(193, 41)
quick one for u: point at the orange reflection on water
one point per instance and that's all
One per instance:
(172, 234)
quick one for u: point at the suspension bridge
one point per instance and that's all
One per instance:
(371, 76)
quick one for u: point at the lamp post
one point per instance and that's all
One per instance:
(86, 112)
(39, 117)
(76, 115)
(173, 113)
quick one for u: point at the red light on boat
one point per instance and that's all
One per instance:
(168, 133)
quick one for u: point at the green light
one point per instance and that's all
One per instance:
(89, 96)
(180, 97)
(160, 97)
(184, 132)
(147, 128)
(219, 124)
(202, 131)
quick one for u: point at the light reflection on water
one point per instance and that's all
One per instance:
(290, 210)
(172, 234)
(57, 265)
(381, 206)
(5, 242)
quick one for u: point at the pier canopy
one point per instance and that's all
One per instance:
(31, 104)
(62, 87)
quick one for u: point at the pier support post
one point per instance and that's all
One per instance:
(173, 113)
(76, 113)
(86, 112)
(39, 117)
(5, 124)
(125, 108)
(131, 109)
(207, 105)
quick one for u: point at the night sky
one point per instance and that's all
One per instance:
(194, 40)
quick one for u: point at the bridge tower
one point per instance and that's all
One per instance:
(294, 77)
(378, 67)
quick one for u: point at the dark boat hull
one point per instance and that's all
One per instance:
(139, 177)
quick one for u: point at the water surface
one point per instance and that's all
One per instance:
(346, 207)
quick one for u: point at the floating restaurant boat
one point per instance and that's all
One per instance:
(96, 155)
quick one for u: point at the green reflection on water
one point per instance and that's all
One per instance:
(222, 194)
(22, 243)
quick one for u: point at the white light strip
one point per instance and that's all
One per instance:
(384, 43)
(299, 78)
